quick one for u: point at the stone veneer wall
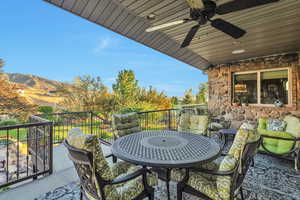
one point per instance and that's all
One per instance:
(220, 90)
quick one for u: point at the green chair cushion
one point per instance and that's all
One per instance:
(224, 182)
(276, 145)
(193, 123)
(124, 124)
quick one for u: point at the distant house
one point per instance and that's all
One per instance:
(20, 91)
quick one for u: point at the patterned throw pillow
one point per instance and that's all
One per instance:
(276, 125)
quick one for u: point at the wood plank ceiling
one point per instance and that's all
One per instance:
(271, 29)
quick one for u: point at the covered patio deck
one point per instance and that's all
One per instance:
(270, 178)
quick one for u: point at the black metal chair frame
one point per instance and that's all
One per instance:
(293, 154)
(82, 158)
(249, 152)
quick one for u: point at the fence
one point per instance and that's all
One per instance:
(159, 119)
(88, 122)
(25, 151)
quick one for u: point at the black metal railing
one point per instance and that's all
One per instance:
(159, 119)
(88, 122)
(25, 151)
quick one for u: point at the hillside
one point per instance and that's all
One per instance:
(37, 90)
(32, 81)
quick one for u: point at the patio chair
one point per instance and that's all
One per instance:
(101, 180)
(284, 142)
(199, 124)
(194, 123)
(124, 124)
(220, 180)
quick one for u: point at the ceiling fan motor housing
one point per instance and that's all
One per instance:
(204, 14)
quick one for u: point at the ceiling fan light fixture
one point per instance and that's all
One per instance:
(238, 51)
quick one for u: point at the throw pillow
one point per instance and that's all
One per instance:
(276, 125)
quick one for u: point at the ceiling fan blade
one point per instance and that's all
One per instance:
(154, 28)
(228, 28)
(237, 5)
(195, 3)
(189, 37)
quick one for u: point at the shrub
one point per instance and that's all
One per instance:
(8, 122)
(129, 110)
(45, 109)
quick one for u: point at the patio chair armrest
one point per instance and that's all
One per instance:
(129, 177)
(105, 142)
(214, 172)
(109, 155)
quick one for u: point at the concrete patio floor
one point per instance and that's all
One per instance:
(63, 173)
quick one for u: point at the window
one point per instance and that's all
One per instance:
(261, 87)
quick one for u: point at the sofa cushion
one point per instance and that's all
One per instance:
(262, 123)
(276, 125)
(276, 145)
(293, 125)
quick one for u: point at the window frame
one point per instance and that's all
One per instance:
(258, 73)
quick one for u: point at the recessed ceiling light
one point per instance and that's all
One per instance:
(236, 42)
(238, 51)
(151, 16)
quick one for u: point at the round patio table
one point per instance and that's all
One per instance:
(166, 149)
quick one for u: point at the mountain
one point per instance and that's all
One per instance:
(32, 81)
(37, 90)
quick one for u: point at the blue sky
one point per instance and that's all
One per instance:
(38, 38)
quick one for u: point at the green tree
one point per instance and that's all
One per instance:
(188, 97)
(126, 89)
(1, 65)
(174, 100)
(201, 96)
(45, 109)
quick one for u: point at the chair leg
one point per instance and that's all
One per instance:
(151, 195)
(252, 163)
(81, 196)
(242, 194)
(179, 192)
(114, 159)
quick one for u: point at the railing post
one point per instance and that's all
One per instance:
(91, 123)
(170, 121)
(51, 149)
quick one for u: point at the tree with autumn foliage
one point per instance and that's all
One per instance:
(87, 93)
(11, 102)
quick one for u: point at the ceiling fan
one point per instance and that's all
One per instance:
(203, 11)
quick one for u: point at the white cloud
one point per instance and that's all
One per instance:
(102, 44)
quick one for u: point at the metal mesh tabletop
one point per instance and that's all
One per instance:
(165, 148)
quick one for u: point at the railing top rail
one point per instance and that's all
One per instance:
(64, 113)
(39, 118)
(28, 125)
(157, 110)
